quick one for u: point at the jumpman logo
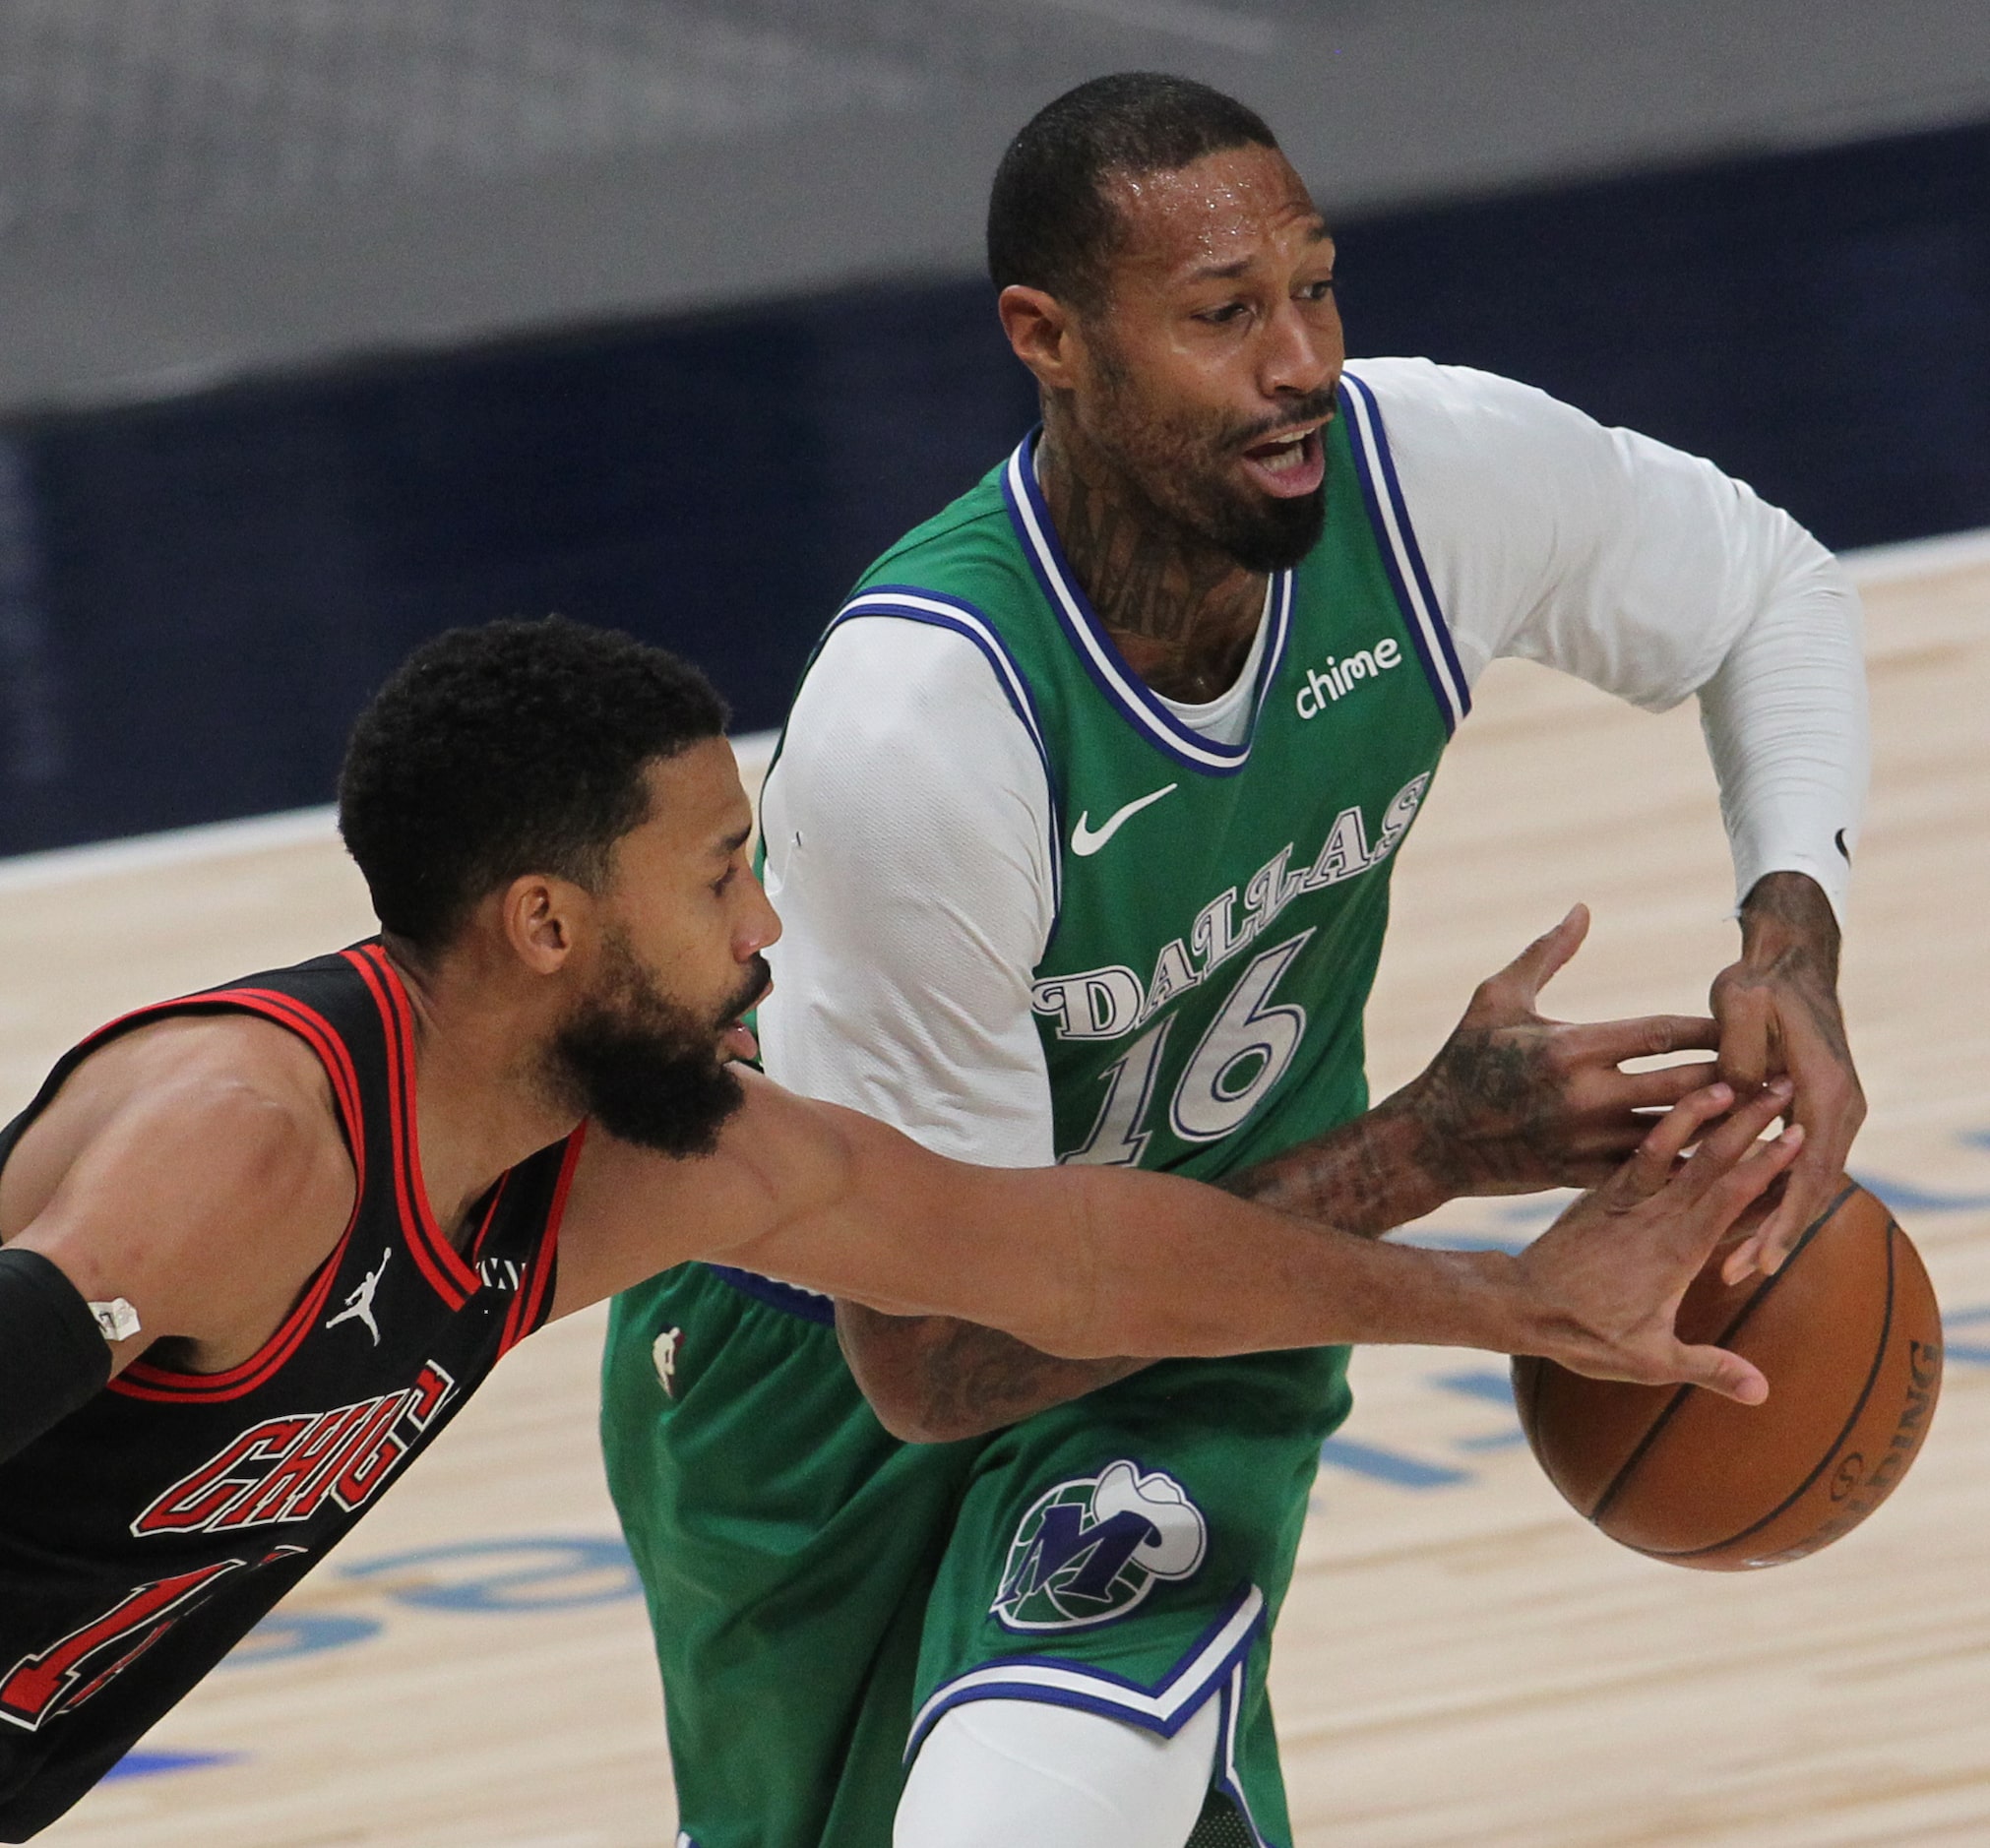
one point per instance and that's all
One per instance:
(359, 1305)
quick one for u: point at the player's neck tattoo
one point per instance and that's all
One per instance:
(1183, 613)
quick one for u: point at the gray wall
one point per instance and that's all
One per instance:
(191, 190)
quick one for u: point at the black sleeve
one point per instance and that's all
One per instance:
(53, 1357)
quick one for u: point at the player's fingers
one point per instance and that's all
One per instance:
(1726, 1143)
(1590, 1171)
(1711, 1211)
(1719, 1370)
(1813, 1177)
(1652, 1166)
(1752, 1177)
(1516, 985)
(1646, 1036)
(1746, 1056)
(1660, 1088)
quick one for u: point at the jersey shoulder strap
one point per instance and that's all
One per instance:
(326, 1002)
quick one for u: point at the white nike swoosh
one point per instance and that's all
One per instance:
(1084, 842)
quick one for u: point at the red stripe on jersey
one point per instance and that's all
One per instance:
(489, 1216)
(527, 1312)
(144, 1381)
(435, 1257)
(286, 1010)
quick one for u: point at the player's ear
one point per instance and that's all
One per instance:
(537, 916)
(1041, 333)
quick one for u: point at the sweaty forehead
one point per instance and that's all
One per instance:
(1214, 211)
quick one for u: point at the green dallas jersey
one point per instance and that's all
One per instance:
(1219, 908)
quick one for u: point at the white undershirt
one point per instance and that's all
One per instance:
(908, 819)
(1226, 720)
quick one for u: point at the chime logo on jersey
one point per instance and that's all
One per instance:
(1333, 680)
(1090, 1549)
(284, 1469)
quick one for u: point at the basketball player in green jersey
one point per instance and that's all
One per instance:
(1083, 826)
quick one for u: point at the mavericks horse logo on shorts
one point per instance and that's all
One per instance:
(1090, 1549)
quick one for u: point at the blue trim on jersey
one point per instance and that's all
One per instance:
(1096, 649)
(1227, 1778)
(938, 610)
(785, 1297)
(1165, 1707)
(1389, 515)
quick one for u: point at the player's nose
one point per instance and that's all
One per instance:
(759, 927)
(1300, 357)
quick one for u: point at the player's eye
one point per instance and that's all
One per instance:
(1316, 292)
(1223, 316)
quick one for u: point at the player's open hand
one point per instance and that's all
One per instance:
(1778, 1012)
(1608, 1275)
(1516, 1101)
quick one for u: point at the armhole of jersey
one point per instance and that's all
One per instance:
(535, 1303)
(1396, 537)
(143, 1380)
(908, 603)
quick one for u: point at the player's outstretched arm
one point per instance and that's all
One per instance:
(1513, 1101)
(192, 1172)
(1110, 1261)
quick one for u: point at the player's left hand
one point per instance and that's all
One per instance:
(1777, 1007)
(1515, 1102)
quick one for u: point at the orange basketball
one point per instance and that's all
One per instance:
(1849, 1337)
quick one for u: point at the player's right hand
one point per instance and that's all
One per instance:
(1608, 1275)
(1516, 1101)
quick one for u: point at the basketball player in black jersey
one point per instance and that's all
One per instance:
(262, 1243)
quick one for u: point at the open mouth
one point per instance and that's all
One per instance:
(1288, 465)
(735, 1039)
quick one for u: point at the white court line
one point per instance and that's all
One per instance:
(216, 840)
(225, 840)
(1917, 558)
(27, 872)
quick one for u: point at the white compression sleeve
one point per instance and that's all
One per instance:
(1650, 574)
(997, 1773)
(1785, 724)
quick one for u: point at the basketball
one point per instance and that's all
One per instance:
(1849, 1337)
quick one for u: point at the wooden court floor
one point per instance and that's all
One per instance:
(1463, 1660)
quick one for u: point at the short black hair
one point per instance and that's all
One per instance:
(1050, 222)
(517, 747)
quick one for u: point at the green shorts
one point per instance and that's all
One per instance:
(821, 1594)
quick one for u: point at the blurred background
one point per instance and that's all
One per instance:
(326, 324)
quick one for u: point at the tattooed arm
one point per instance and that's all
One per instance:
(1512, 1102)
(1777, 1007)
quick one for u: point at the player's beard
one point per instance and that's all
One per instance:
(645, 1066)
(1183, 474)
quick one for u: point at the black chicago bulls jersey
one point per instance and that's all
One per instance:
(145, 1534)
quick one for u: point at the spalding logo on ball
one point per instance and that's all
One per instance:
(1849, 1337)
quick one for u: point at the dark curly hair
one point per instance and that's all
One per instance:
(1050, 222)
(515, 747)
